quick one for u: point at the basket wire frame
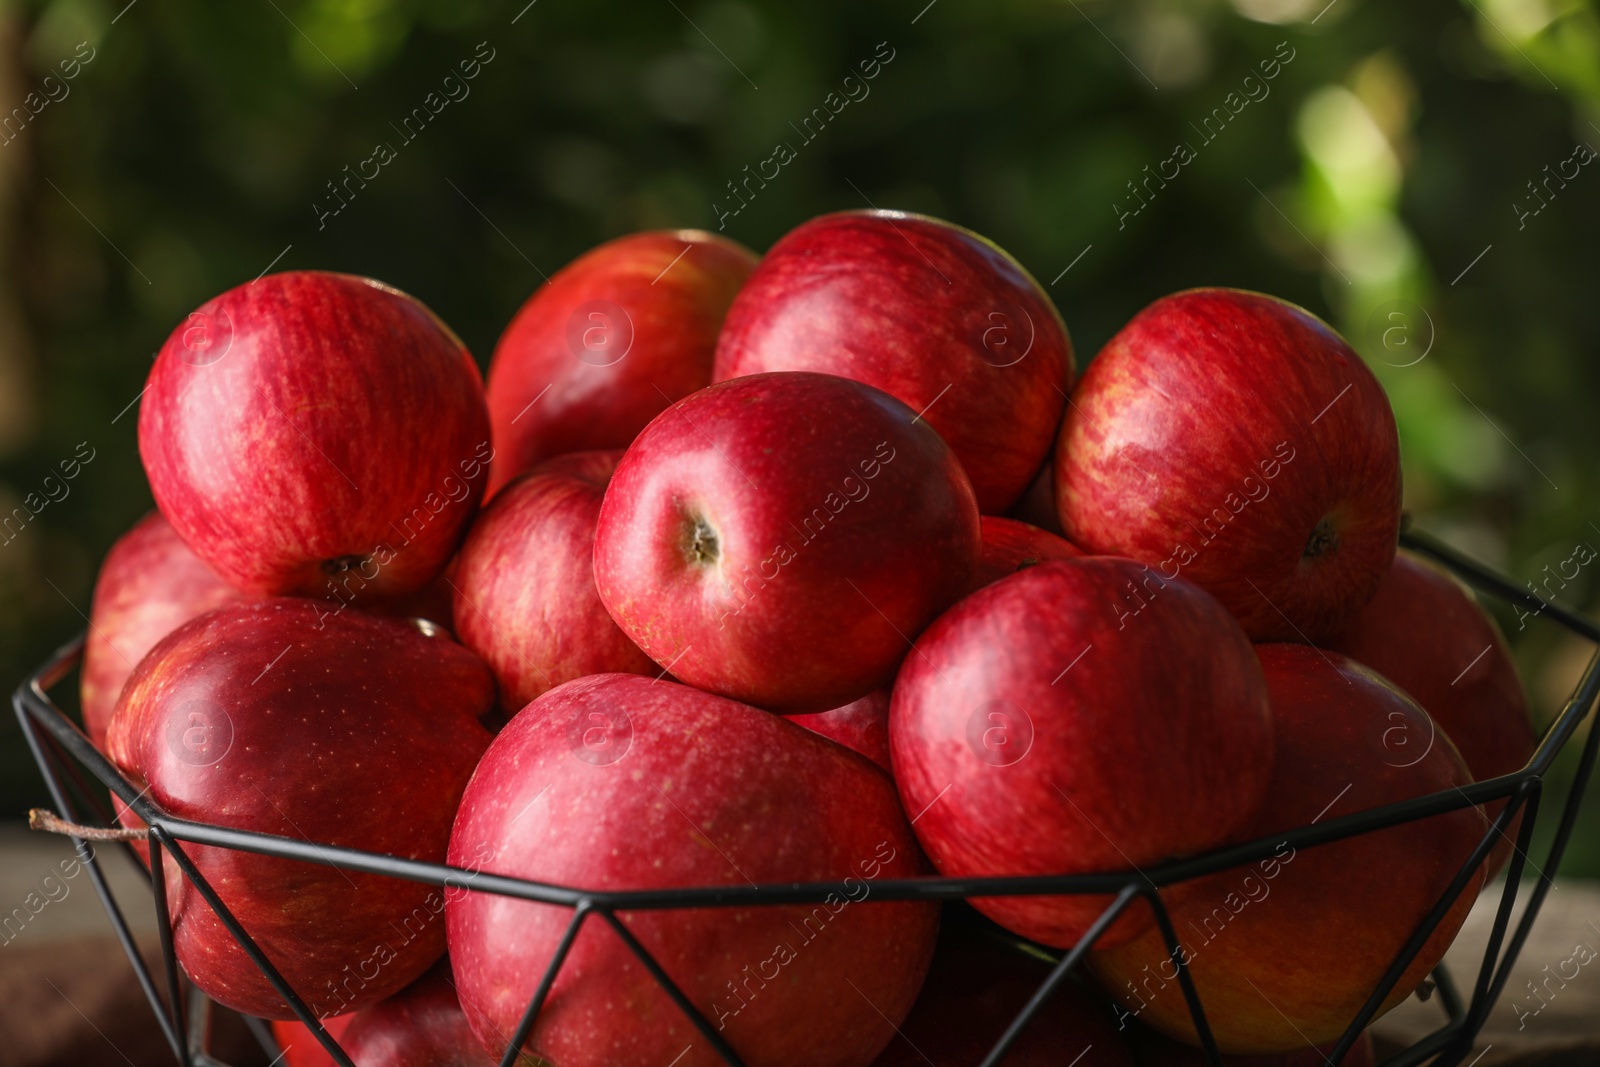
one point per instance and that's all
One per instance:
(60, 748)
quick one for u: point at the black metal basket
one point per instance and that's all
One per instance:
(60, 748)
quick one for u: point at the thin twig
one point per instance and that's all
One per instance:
(49, 822)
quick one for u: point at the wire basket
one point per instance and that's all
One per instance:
(61, 749)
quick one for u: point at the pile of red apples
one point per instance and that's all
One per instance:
(820, 566)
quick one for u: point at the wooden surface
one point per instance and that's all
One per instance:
(1550, 1006)
(68, 996)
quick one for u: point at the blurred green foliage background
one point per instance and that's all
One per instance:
(1410, 172)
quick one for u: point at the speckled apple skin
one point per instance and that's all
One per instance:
(1295, 962)
(361, 733)
(861, 726)
(1425, 632)
(309, 418)
(1138, 737)
(420, 1026)
(150, 584)
(525, 598)
(1011, 545)
(707, 792)
(928, 312)
(843, 525)
(674, 286)
(1211, 437)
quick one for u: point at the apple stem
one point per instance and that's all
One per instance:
(51, 823)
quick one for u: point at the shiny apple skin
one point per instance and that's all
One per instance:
(1165, 456)
(150, 584)
(316, 434)
(618, 782)
(555, 383)
(973, 992)
(1425, 632)
(300, 1049)
(420, 1026)
(525, 598)
(1135, 737)
(861, 726)
(780, 538)
(1010, 545)
(1295, 962)
(361, 733)
(927, 311)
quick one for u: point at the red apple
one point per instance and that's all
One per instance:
(342, 729)
(1065, 720)
(1285, 952)
(1010, 545)
(1235, 439)
(299, 1048)
(149, 585)
(1153, 1049)
(601, 349)
(420, 1026)
(928, 312)
(1425, 632)
(316, 434)
(861, 726)
(525, 598)
(780, 538)
(617, 782)
(973, 993)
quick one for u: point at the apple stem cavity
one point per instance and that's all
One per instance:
(704, 547)
(1324, 539)
(341, 564)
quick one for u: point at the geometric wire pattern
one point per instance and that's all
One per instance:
(60, 748)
